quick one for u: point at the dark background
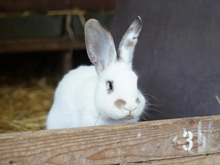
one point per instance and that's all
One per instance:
(180, 47)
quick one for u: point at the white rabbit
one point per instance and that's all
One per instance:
(105, 93)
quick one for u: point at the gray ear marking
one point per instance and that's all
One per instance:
(138, 24)
(129, 41)
(99, 44)
(135, 27)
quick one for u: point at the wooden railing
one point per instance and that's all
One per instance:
(191, 141)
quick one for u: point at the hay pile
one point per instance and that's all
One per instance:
(24, 105)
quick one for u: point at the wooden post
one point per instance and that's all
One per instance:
(178, 141)
(66, 61)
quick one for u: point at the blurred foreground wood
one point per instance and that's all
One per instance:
(177, 141)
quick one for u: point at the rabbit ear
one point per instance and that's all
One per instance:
(128, 42)
(100, 45)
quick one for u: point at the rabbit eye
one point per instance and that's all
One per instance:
(109, 86)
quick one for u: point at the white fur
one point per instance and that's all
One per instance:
(81, 98)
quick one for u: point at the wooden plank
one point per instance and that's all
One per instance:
(152, 141)
(41, 44)
(46, 5)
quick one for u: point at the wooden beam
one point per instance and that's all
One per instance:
(41, 44)
(175, 141)
(47, 5)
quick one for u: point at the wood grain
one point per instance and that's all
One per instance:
(155, 142)
(190, 160)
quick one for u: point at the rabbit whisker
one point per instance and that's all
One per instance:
(146, 116)
(148, 95)
(155, 110)
(144, 72)
(98, 117)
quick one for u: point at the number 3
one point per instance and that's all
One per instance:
(189, 140)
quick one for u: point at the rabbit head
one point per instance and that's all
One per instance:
(117, 96)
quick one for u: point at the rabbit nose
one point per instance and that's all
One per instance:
(131, 108)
